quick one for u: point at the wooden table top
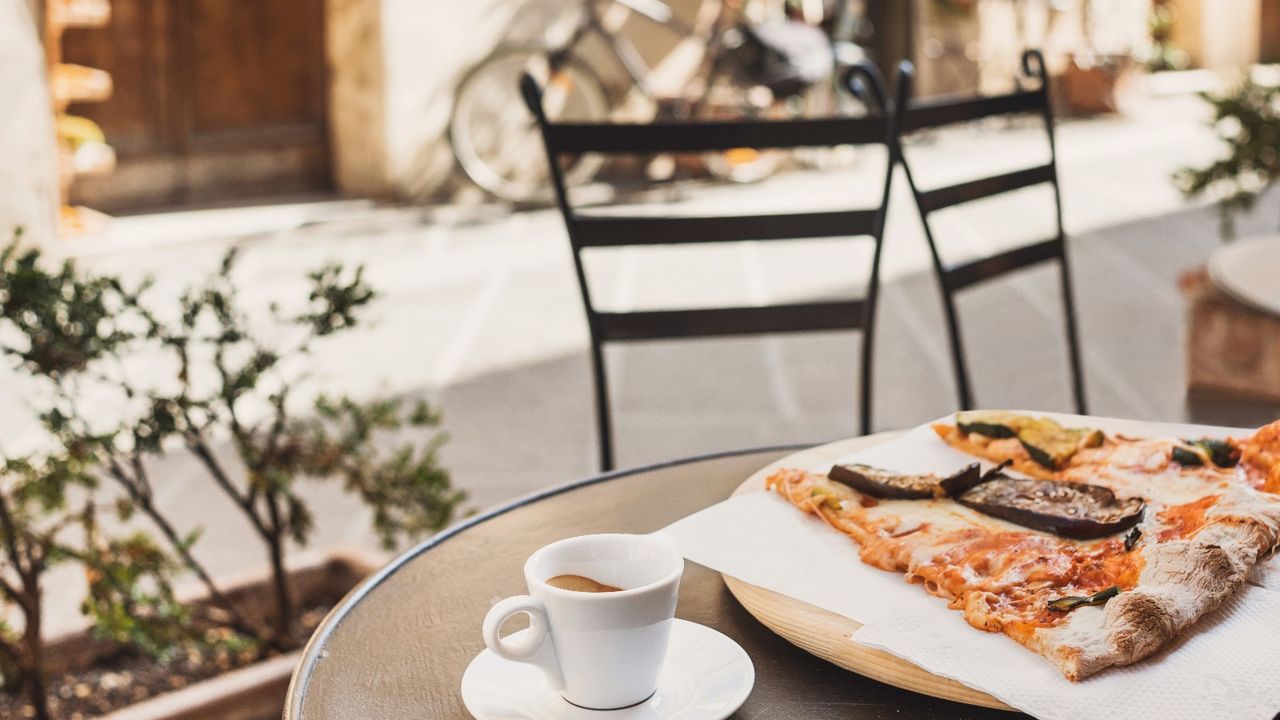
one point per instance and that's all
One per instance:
(397, 646)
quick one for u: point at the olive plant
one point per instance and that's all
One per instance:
(47, 518)
(211, 376)
(1247, 120)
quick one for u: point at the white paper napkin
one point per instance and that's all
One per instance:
(1228, 665)
(1267, 573)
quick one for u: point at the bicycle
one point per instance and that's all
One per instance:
(496, 142)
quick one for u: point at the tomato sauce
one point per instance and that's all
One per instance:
(1183, 521)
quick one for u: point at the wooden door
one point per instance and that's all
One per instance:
(1269, 42)
(213, 100)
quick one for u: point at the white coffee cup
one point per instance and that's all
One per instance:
(600, 650)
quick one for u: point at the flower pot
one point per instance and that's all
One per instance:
(1088, 86)
(253, 692)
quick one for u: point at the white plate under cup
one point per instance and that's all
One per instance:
(599, 650)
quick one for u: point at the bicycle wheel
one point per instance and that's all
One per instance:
(495, 138)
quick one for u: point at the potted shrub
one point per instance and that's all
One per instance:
(1093, 78)
(1090, 82)
(1247, 120)
(212, 376)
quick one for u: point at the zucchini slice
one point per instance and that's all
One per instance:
(1052, 445)
(992, 423)
(1047, 442)
(1195, 453)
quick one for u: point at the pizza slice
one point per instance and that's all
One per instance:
(1041, 447)
(1088, 573)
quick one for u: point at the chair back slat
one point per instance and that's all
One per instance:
(619, 231)
(664, 137)
(938, 112)
(951, 195)
(719, 322)
(963, 275)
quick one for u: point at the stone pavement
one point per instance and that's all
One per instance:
(480, 313)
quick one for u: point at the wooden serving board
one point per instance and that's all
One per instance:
(826, 634)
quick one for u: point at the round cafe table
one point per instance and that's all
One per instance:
(397, 645)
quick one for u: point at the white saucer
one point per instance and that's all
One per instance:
(706, 676)
(1249, 271)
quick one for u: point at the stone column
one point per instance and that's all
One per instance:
(357, 114)
(1219, 36)
(28, 151)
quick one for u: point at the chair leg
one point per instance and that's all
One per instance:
(964, 391)
(1073, 343)
(604, 424)
(864, 415)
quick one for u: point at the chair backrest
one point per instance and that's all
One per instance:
(588, 231)
(934, 113)
(940, 112)
(597, 231)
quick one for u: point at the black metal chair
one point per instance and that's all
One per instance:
(587, 231)
(933, 113)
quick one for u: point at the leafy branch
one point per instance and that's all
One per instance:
(1247, 121)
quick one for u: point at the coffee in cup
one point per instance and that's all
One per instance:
(578, 583)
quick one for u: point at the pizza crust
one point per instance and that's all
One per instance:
(1181, 581)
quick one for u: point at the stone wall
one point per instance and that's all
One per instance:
(357, 117)
(28, 154)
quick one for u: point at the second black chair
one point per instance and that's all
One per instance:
(935, 113)
(587, 231)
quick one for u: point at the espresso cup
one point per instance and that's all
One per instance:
(600, 650)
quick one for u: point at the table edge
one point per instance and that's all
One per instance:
(310, 653)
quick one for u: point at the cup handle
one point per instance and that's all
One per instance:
(534, 646)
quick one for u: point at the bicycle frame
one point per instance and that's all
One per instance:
(623, 49)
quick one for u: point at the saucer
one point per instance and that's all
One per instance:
(705, 675)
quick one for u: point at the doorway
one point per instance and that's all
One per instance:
(214, 100)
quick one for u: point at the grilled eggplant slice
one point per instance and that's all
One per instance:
(898, 486)
(1131, 540)
(958, 483)
(1074, 510)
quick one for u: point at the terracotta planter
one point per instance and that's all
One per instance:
(255, 692)
(1233, 351)
(1090, 89)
